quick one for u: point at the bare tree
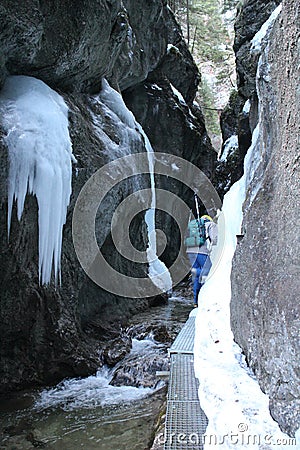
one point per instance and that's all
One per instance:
(194, 39)
(188, 20)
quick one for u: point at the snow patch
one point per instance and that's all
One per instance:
(35, 119)
(178, 95)
(183, 102)
(230, 144)
(171, 47)
(175, 167)
(156, 87)
(247, 106)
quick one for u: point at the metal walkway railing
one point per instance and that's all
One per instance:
(185, 420)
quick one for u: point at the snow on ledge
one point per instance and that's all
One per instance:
(178, 95)
(35, 119)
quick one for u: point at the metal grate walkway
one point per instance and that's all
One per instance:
(183, 386)
(185, 421)
(184, 343)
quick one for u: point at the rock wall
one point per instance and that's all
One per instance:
(51, 332)
(250, 18)
(71, 46)
(265, 311)
(163, 102)
(251, 15)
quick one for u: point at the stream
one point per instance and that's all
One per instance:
(91, 413)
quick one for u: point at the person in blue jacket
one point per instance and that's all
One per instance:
(204, 233)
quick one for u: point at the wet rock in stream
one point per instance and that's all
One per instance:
(156, 333)
(141, 371)
(116, 350)
(159, 332)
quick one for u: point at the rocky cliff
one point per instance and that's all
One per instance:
(49, 332)
(235, 119)
(265, 312)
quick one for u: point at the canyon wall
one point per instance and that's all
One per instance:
(50, 332)
(265, 311)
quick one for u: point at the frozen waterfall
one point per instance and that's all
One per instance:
(158, 272)
(35, 119)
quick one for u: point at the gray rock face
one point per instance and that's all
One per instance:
(48, 333)
(230, 114)
(161, 113)
(71, 46)
(250, 18)
(265, 311)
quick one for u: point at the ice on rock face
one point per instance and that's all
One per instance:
(35, 119)
(158, 271)
(261, 34)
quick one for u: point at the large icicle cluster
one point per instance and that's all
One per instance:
(35, 119)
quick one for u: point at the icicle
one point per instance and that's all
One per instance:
(35, 119)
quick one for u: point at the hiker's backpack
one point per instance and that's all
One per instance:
(196, 233)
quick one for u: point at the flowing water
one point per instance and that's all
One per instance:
(89, 413)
